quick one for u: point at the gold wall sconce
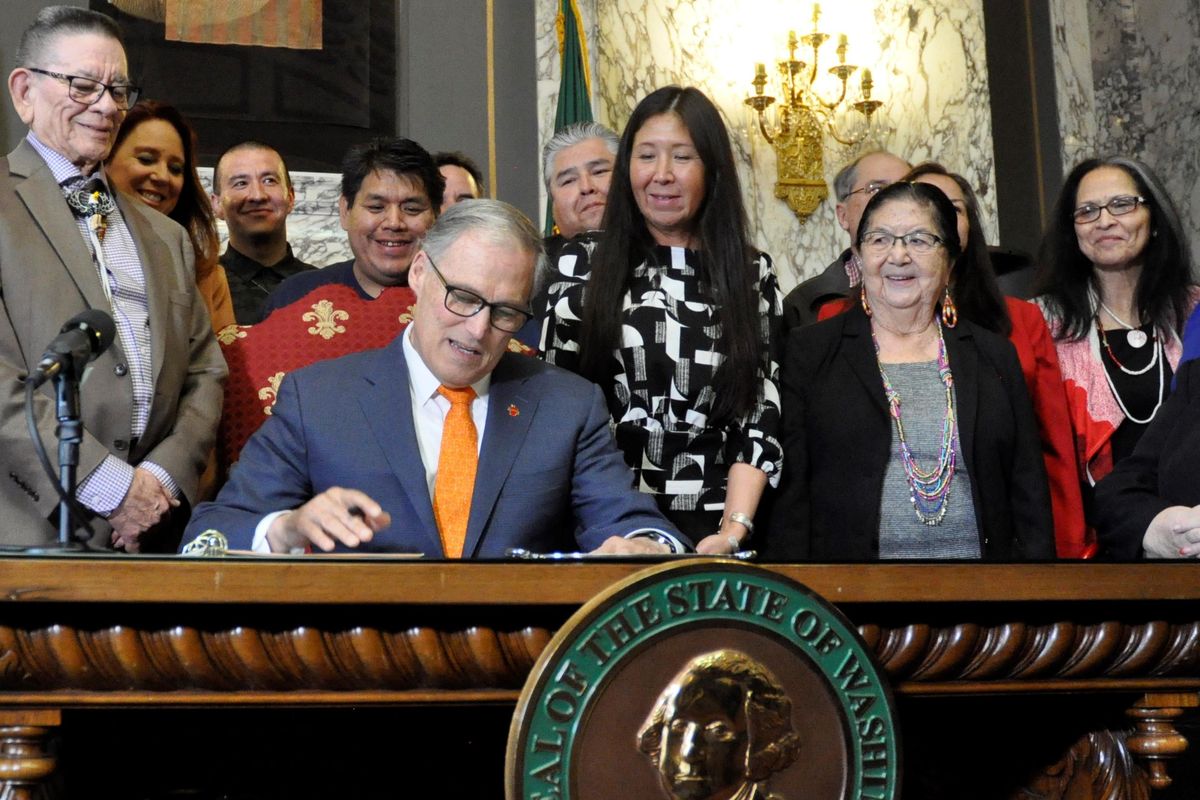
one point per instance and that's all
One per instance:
(801, 118)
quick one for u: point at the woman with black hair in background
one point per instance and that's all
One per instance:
(1115, 285)
(671, 310)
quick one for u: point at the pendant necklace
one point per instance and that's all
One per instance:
(1156, 352)
(1137, 338)
(1158, 358)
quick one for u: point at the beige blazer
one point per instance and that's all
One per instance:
(47, 277)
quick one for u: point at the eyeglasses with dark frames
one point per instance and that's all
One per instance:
(917, 242)
(1118, 206)
(466, 303)
(89, 90)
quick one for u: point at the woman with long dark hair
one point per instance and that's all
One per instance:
(670, 310)
(154, 159)
(1116, 286)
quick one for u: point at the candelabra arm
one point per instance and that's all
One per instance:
(853, 140)
(827, 105)
(762, 128)
(850, 142)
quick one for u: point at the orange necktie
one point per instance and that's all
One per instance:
(457, 462)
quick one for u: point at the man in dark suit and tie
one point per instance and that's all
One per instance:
(444, 442)
(150, 404)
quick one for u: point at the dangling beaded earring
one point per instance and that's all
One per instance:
(862, 296)
(949, 312)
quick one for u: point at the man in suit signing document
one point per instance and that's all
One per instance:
(444, 442)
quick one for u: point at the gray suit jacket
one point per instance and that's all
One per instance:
(47, 277)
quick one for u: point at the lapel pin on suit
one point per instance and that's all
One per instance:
(513, 411)
(94, 204)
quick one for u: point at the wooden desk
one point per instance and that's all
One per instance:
(86, 632)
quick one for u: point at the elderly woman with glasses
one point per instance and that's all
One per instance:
(1115, 286)
(908, 432)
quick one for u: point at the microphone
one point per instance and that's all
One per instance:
(84, 336)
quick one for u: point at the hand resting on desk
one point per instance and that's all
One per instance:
(1173, 533)
(337, 515)
(350, 518)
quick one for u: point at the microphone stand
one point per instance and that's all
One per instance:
(70, 435)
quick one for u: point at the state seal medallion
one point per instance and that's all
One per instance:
(705, 680)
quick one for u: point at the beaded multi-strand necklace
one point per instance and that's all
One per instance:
(928, 490)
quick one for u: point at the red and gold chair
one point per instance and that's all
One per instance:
(329, 322)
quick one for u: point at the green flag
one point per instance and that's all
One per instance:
(574, 88)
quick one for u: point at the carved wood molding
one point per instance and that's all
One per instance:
(1097, 767)
(242, 658)
(1154, 737)
(1017, 651)
(25, 758)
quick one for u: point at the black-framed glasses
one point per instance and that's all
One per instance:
(89, 90)
(1118, 206)
(871, 189)
(466, 303)
(917, 242)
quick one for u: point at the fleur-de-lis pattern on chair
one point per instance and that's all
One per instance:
(328, 322)
(326, 319)
(270, 391)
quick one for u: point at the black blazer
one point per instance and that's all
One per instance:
(837, 443)
(1162, 471)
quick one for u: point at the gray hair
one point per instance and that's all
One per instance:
(571, 136)
(495, 220)
(54, 21)
(843, 182)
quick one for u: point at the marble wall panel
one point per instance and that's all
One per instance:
(1146, 64)
(1074, 85)
(927, 58)
(1128, 82)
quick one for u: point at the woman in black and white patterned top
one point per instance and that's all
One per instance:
(672, 312)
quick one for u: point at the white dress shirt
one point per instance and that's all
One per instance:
(429, 409)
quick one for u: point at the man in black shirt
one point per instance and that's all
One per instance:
(252, 192)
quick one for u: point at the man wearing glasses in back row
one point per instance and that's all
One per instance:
(854, 186)
(443, 442)
(151, 402)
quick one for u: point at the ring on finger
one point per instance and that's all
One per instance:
(734, 544)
